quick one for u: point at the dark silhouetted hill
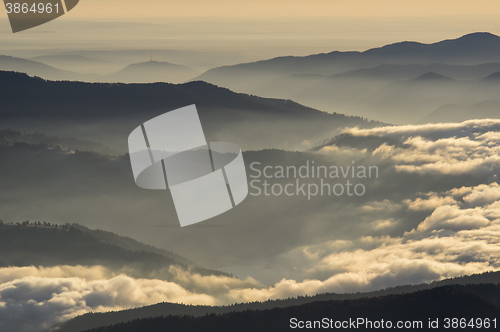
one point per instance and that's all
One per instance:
(130, 244)
(85, 100)
(10, 137)
(93, 320)
(44, 244)
(454, 301)
(474, 48)
(109, 112)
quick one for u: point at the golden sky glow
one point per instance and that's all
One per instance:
(258, 28)
(283, 8)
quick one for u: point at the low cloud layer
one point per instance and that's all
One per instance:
(33, 299)
(459, 237)
(396, 234)
(470, 147)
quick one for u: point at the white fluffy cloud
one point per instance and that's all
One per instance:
(35, 298)
(458, 236)
(34, 303)
(471, 147)
(481, 127)
(454, 240)
(429, 203)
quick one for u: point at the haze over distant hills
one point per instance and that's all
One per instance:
(35, 68)
(355, 83)
(82, 68)
(488, 109)
(153, 71)
(400, 101)
(393, 72)
(475, 48)
(76, 109)
(99, 192)
(312, 88)
(418, 203)
(77, 63)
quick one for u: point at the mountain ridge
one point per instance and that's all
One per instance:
(414, 310)
(406, 48)
(35, 68)
(94, 320)
(225, 115)
(471, 49)
(73, 244)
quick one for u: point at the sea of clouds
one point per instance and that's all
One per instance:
(457, 235)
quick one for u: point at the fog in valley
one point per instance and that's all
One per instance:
(372, 161)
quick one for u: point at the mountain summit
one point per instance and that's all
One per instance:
(473, 48)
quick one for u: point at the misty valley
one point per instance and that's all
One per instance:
(373, 177)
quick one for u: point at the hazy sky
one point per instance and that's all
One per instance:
(284, 8)
(251, 30)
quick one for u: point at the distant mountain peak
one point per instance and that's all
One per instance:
(493, 77)
(155, 71)
(476, 35)
(155, 64)
(431, 76)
